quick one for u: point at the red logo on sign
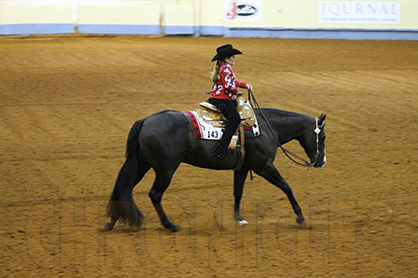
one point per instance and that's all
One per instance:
(233, 12)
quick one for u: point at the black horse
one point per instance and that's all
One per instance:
(165, 139)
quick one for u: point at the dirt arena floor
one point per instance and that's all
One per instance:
(67, 104)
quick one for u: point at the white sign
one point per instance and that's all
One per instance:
(249, 10)
(359, 12)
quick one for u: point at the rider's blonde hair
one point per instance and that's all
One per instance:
(215, 71)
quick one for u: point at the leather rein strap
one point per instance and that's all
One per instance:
(288, 153)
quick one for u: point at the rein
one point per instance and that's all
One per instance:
(288, 153)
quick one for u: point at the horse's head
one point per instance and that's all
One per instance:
(313, 141)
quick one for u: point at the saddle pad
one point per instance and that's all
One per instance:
(206, 131)
(195, 124)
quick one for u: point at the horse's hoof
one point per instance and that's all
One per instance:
(174, 229)
(108, 227)
(242, 222)
(300, 220)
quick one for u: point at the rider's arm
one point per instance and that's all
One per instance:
(241, 84)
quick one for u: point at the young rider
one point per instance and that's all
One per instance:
(224, 92)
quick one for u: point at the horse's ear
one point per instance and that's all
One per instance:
(322, 118)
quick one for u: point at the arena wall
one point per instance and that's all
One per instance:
(393, 19)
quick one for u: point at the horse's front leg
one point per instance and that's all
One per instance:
(270, 173)
(239, 179)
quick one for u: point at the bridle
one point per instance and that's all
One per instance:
(314, 160)
(289, 154)
(317, 130)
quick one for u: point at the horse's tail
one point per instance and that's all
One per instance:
(121, 204)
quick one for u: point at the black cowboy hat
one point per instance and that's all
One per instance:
(225, 51)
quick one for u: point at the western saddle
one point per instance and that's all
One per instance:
(211, 115)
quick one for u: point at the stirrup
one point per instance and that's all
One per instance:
(234, 141)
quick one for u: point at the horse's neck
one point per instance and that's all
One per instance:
(287, 125)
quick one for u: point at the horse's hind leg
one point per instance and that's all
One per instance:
(161, 183)
(271, 174)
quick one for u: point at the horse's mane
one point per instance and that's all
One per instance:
(283, 113)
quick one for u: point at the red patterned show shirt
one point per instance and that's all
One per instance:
(226, 86)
